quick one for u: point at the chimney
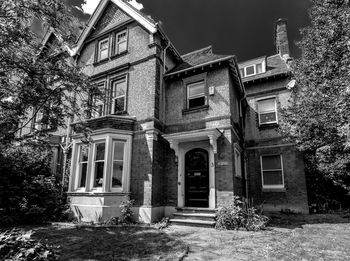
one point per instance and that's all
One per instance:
(281, 38)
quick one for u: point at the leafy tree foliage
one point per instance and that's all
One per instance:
(318, 119)
(35, 79)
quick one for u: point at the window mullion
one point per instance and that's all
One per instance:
(107, 170)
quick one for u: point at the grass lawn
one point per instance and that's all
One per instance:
(314, 237)
(118, 243)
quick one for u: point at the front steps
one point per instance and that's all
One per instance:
(199, 217)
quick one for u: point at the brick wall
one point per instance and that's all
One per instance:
(294, 197)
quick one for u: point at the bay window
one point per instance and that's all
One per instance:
(103, 165)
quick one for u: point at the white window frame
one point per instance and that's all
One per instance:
(79, 168)
(118, 43)
(100, 103)
(275, 110)
(94, 161)
(188, 98)
(116, 80)
(108, 139)
(279, 186)
(118, 189)
(99, 49)
(238, 161)
(254, 65)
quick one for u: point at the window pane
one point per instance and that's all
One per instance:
(268, 117)
(121, 47)
(266, 105)
(119, 88)
(271, 162)
(250, 70)
(103, 54)
(259, 68)
(118, 150)
(84, 153)
(196, 102)
(196, 89)
(273, 178)
(98, 174)
(119, 104)
(117, 177)
(100, 151)
(242, 72)
(83, 170)
(121, 37)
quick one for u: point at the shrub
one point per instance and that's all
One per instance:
(16, 244)
(28, 191)
(127, 216)
(236, 214)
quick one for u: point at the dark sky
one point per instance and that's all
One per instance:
(241, 27)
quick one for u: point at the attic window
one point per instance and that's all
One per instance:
(253, 69)
(196, 95)
(121, 42)
(103, 47)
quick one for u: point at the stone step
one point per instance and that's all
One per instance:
(196, 216)
(195, 210)
(192, 222)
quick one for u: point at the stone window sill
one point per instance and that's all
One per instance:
(268, 125)
(274, 190)
(196, 109)
(95, 194)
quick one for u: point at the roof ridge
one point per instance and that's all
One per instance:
(210, 47)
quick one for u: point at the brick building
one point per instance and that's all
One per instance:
(178, 131)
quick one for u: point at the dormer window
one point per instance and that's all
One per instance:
(103, 48)
(252, 69)
(121, 42)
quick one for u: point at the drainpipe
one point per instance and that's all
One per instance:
(162, 83)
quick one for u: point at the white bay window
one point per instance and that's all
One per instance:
(103, 165)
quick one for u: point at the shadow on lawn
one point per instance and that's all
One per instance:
(298, 220)
(118, 243)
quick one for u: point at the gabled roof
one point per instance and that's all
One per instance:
(51, 32)
(197, 58)
(148, 23)
(275, 65)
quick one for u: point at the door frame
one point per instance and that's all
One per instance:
(183, 149)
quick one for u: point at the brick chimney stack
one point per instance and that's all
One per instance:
(281, 38)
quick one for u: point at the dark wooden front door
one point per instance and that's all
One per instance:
(197, 178)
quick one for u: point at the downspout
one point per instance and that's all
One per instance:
(162, 83)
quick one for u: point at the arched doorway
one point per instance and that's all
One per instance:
(197, 178)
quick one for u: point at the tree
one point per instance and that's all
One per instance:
(318, 119)
(35, 79)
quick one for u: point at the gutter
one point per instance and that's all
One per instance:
(201, 65)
